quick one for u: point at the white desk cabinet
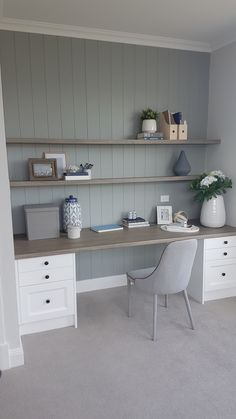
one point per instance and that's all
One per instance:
(219, 274)
(46, 290)
(214, 270)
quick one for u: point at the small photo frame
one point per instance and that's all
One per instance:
(61, 162)
(42, 169)
(164, 214)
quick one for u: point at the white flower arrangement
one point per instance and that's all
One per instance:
(210, 185)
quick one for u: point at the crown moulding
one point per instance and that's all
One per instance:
(31, 26)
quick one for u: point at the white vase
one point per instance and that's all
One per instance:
(149, 125)
(213, 212)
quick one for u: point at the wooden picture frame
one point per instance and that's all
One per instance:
(42, 169)
(61, 162)
(164, 214)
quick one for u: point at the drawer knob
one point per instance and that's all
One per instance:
(46, 263)
(223, 274)
(226, 242)
(225, 253)
(46, 276)
(47, 301)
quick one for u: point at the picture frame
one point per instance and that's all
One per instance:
(42, 169)
(61, 162)
(164, 214)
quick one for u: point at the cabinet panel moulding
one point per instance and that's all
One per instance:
(105, 181)
(109, 142)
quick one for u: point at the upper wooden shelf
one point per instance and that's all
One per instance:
(108, 142)
(104, 181)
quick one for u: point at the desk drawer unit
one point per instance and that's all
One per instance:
(46, 290)
(219, 268)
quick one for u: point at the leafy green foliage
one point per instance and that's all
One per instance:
(149, 114)
(210, 185)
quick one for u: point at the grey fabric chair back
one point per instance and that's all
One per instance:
(174, 270)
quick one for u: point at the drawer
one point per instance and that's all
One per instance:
(220, 277)
(45, 276)
(46, 262)
(47, 301)
(220, 254)
(220, 242)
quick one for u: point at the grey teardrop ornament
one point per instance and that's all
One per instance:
(182, 166)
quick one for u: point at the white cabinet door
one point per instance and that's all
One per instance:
(47, 301)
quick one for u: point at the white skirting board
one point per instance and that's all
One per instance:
(10, 358)
(101, 283)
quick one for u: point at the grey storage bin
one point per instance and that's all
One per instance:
(42, 221)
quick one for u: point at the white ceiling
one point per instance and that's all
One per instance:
(204, 22)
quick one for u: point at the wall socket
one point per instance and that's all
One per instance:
(165, 198)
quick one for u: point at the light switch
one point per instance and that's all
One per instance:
(165, 198)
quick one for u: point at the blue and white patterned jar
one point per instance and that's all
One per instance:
(71, 213)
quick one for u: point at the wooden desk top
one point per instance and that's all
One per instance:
(91, 240)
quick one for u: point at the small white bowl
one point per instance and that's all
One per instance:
(73, 232)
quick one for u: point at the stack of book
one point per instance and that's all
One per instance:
(137, 222)
(150, 136)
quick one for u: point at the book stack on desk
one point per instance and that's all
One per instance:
(137, 222)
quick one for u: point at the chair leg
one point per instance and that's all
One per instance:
(166, 301)
(188, 309)
(155, 298)
(129, 285)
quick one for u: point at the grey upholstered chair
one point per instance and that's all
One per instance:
(171, 276)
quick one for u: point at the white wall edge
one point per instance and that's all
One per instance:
(4, 357)
(16, 357)
(31, 26)
(101, 283)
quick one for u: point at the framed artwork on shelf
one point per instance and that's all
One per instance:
(42, 169)
(61, 162)
(164, 214)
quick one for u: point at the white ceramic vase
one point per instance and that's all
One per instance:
(213, 212)
(149, 125)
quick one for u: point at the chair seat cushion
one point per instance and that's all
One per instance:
(141, 273)
(141, 281)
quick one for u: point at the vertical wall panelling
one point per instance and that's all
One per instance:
(39, 96)
(24, 84)
(9, 83)
(66, 87)
(58, 87)
(53, 87)
(79, 88)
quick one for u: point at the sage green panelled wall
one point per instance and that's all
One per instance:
(55, 87)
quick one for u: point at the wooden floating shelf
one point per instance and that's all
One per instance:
(104, 181)
(108, 142)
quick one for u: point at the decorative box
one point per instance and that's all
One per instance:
(42, 221)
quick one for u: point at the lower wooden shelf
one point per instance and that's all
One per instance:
(104, 181)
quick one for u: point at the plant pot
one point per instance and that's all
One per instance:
(149, 125)
(213, 212)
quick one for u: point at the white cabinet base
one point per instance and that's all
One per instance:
(46, 293)
(44, 325)
(218, 294)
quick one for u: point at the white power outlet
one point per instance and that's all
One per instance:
(165, 198)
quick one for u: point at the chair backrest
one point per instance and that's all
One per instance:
(174, 270)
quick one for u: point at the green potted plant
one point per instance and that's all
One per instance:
(210, 188)
(149, 120)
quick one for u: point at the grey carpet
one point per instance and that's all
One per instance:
(109, 369)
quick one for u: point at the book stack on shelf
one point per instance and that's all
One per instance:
(150, 136)
(135, 223)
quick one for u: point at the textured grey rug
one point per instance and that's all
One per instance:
(109, 368)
